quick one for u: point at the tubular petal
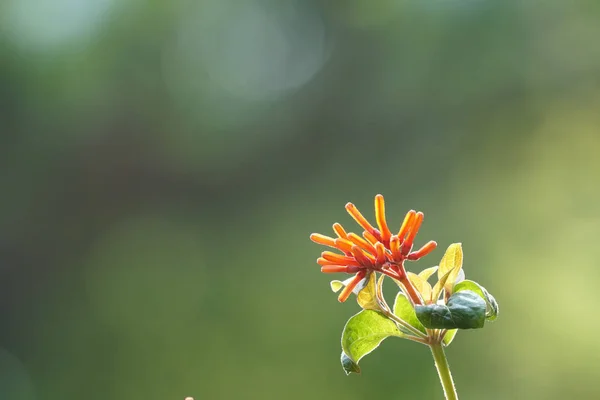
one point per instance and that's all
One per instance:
(357, 240)
(322, 239)
(395, 248)
(380, 217)
(351, 285)
(358, 217)
(407, 223)
(338, 258)
(322, 261)
(410, 237)
(423, 251)
(339, 230)
(362, 257)
(370, 238)
(377, 234)
(328, 269)
(344, 245)
(380, 249)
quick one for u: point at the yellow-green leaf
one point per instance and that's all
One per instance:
(449, 336)
(451, 264)
(426, 273)
(367, 297)
(363, 333)
(336, 285)
(404, 310)
(421, 285)
(437, 289)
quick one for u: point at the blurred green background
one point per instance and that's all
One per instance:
(162, 165)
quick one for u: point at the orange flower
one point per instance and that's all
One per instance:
(377, 250)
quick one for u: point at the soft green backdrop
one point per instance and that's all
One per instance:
(162, 165)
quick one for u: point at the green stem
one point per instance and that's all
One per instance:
(406, 325)
(441, 363)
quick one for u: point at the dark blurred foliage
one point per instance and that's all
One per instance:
(163, 163)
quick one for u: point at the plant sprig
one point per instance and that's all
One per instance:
(430, 315)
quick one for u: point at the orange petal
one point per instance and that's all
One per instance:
(339, 230)
(357, 240)
(335, 258)
(410, 237)
(407, 223)
(380, 217)
(363, 258)
(351, 285)
(322, 239)
(380, 249)
(322, 261)
(344, 245)
(329, 269)
(395, 248)
(358, 217)
(370, 237)
(423, 251)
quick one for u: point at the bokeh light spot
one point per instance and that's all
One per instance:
(230, 64)
(42, 25)
(250, 50)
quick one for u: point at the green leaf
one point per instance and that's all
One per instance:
(492, 308)
(464, 310)
(437, 289)
(469, 285)
(367, 297)
(452, 261)
(364, 332)
(449, 336)
(349, 365)
(426, 273)
(405, 311)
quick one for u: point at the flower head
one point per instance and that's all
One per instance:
(377, 249)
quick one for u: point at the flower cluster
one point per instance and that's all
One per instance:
(376, 250)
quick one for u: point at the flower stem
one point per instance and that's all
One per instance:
(410, 290)
(406, 325)
(400, 275)
(441, 363)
